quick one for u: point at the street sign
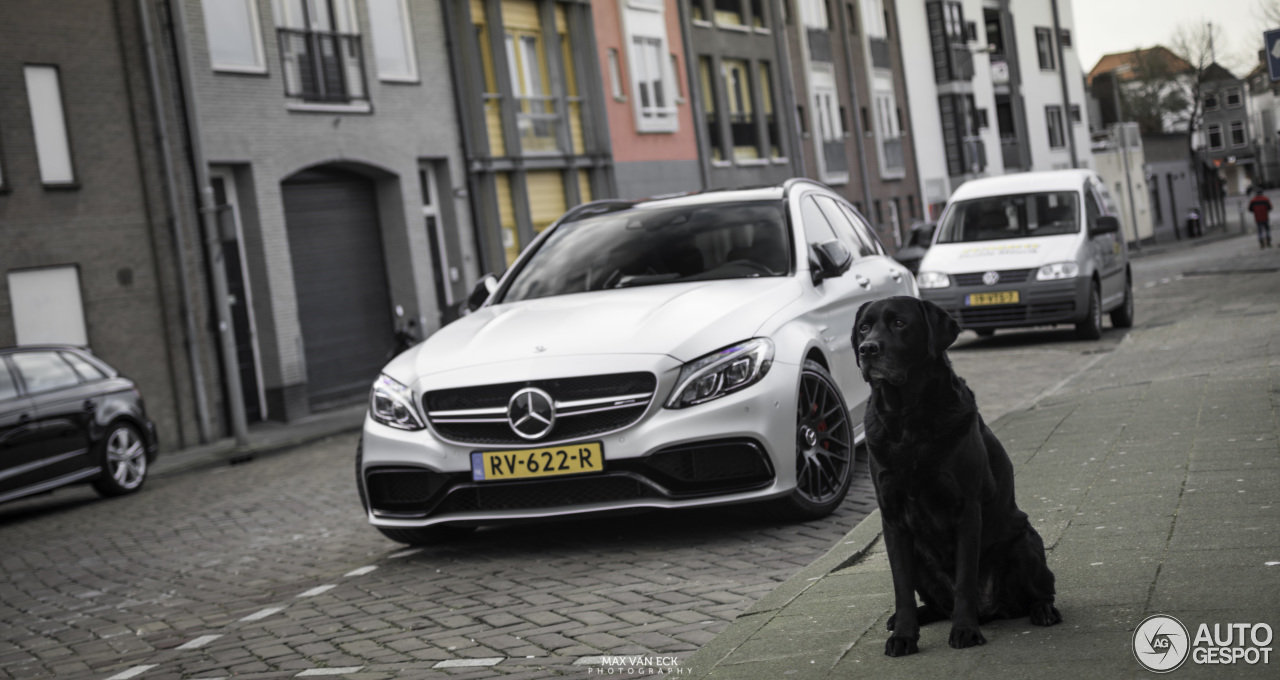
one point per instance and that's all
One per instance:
(1271, 40)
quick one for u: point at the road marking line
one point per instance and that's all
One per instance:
(262, 614)
(589, 661)
(404, 553)
(133, 672)
(466, 663)
(361, 571)
(199, 642)
(317, 590)
(330, 671)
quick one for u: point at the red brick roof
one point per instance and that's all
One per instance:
(1110, 62)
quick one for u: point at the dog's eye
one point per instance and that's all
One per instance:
(864, 328)
(899, 324)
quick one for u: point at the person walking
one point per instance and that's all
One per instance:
(1261, 207)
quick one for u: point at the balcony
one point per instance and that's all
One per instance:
(833, 154)
(322, 67)
(819, 44)
(880, 53)
(891, 152)
(538, 123)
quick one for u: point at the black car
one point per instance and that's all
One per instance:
(66, 417)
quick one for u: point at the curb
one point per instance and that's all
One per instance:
(1213, 237)
(225, 452)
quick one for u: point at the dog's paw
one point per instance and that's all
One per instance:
(1045, 614)
(966, 636)
(900, 645)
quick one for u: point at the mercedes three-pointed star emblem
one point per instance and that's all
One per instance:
(531, 413)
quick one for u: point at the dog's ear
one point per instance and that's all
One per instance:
(857, 323)
(943, 330)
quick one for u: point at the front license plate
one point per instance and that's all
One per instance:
(571, 459)
(1005, 297)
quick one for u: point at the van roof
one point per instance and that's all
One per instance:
(1022, 183)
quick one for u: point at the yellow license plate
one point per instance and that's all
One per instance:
(570, 459)
(1006, 297)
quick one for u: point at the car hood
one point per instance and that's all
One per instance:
(1018, 253)
(683, 320)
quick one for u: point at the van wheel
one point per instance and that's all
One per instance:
(1122, 316)
(1091, 327)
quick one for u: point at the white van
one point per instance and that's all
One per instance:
(1031, 249)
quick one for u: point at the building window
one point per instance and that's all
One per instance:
(698, 8)
(742, 116)
(1057, 135)
(995, 36)
(491, 97)
(651, 73)
(1044, 48)
(770, 117)
(1075, 113)
(392, 40)
(46, 306)
(758, 14)
(948, 42)
(1237, 133)
(235, 40)
(615, 76)
(714, 138)
(729, 12)
(1211, 102)
(1214, 131)
(53, 146)
(320, 51)
(536, 116)
(1064, 37)
(873, 19)
(1233, 98)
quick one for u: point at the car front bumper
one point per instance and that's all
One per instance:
(1040, 303)
(738, 448)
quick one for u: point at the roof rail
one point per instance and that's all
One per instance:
(789, 184)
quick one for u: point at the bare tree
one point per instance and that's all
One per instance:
(1268, 12)
(1194, 43)
(1151, 95)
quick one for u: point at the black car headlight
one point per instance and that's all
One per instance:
(721, 372)
(392, 405)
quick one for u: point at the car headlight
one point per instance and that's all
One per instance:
(1058, 270)
(721, 372)
(392, 405)
(933, 280)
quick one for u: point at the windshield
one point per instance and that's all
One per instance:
(1016, 216)
(657, 245)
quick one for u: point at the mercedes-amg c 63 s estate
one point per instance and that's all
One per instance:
(666, 353)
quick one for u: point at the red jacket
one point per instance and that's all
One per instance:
(1261, 207)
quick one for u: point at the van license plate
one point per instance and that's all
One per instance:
(568, 459)
(1005, 297)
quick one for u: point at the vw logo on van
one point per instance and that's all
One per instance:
(991, 278)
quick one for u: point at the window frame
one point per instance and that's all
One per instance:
(1228, 94)
(255, 26)
(645, 22)
(57, 357)
(36, 118)
(1044, 36)
(1208, 137)
(1053, 112)
(411, 51)
(1244, 138)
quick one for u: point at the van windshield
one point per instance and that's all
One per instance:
(1015, 216)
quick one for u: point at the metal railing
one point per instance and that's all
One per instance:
(833, 153)
(322, 66)
(819, 44)
(538, 123)
(880, 53)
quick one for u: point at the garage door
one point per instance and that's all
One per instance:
(341, 281)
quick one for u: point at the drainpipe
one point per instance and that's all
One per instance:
(857, 109)
(691, 65)
(786, 82)
(1066, 97)
(209, 222)
(176, 224)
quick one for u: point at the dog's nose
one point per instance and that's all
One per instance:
(869, 348)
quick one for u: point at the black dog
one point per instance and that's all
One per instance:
(944, 484)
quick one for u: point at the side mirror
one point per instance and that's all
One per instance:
(832, 258)
(480, 294)
(1107, 224)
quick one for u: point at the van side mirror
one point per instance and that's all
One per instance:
(1107, 224)
(833, 259)
(480, 294)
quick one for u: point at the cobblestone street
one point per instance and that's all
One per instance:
(268, 569)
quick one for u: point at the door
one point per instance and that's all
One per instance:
(242, 322)
(1105, 251)
(840, 298)
(19, 443)
(340, 279)
(64, 411)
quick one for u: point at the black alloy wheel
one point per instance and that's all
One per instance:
(824, 446)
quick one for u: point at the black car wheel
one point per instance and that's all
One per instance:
(1091, 327)
(124, 461)
(824, 447)
(1122, 316)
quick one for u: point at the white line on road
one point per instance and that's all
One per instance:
(404, 553)
(330, 671)
(317, 590)
(199, 642)
(361, 571)
(262, 614)
(467, 663)
(133, 672)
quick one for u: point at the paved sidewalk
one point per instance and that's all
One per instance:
(1154, 478)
